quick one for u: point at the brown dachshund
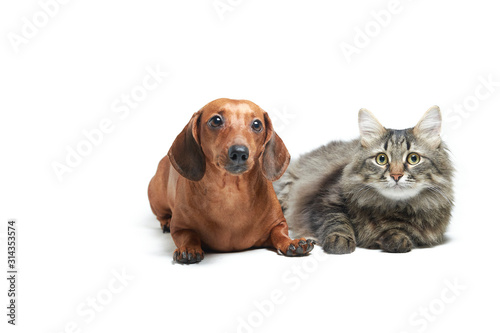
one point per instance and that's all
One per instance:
(213, 190)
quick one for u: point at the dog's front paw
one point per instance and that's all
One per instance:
(396, 242)
(339, 244)
(185, 255)
(298, 247)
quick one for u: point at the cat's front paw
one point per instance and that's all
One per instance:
(396, 242)
(339, 244)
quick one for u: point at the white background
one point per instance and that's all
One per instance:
(286, 56)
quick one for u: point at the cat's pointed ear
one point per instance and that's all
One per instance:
(370, 128)
(429, 127)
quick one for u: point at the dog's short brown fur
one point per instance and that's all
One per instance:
(209, 199)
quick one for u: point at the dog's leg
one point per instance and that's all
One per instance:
(188, 247)
(165, 222)
(290, 247)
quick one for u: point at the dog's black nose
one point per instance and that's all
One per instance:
(238, 154)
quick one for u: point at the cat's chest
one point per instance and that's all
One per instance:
(377, 217)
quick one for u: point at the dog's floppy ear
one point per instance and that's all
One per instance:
(185, 154)
(275, 158)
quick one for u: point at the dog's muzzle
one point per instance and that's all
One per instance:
(237, 159)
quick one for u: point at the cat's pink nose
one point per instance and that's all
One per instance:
(396, 176)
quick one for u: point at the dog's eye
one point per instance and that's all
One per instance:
(257, 125)
(216, 121)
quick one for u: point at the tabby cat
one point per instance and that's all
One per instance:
(389, 189)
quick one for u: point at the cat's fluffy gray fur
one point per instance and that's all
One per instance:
(343, 197)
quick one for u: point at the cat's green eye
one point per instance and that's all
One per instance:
(413, 158)
(382, 159)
